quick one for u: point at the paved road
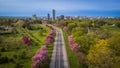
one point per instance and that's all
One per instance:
(59, 56)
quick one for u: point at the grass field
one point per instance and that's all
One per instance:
(16, 48)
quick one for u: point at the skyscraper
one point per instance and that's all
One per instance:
(53, 11)
(48, 16)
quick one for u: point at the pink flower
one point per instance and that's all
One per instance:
(70, 40)
(36, 64)
(52, 31)
(56, 24)
(36, 57)
(66, 29)
(49, 38)
(44, 47)
(25, 40)
(75, 47)
(40, 57)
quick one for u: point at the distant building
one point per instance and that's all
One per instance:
(62, 17)
(48, 16)
(3, 28)
(34, 17)
(53, 11)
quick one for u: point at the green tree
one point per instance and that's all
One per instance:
(100, 55)
(71, 26)
(105, 32)
(118, 24)
(20, 23)
(63, 23)
(85, 41)
(114, 43)
(99, 22)
(83, 24)
(77, 29)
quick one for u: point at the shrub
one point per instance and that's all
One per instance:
(11, 60)
(15, 56)
(50, 38)
(40, 57)
(23, 55)
(74, 46)
(4, 59)
(18, 65)
(25, 40)
(3, 49)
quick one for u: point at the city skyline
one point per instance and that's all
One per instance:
(62, 7)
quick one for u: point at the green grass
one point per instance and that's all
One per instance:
(72, 56)
(26, 63)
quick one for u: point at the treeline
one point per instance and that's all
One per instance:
(12, 21)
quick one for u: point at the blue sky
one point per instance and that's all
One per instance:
(62, 7)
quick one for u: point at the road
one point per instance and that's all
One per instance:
(59, 57)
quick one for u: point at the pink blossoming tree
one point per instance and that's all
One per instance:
(74, 46)
(40, 57)
(66, 29)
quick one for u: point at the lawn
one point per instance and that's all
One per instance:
(16, 50)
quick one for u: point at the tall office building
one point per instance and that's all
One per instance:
(53, 11)
(48, 16)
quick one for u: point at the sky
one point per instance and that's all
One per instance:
(62, 7)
